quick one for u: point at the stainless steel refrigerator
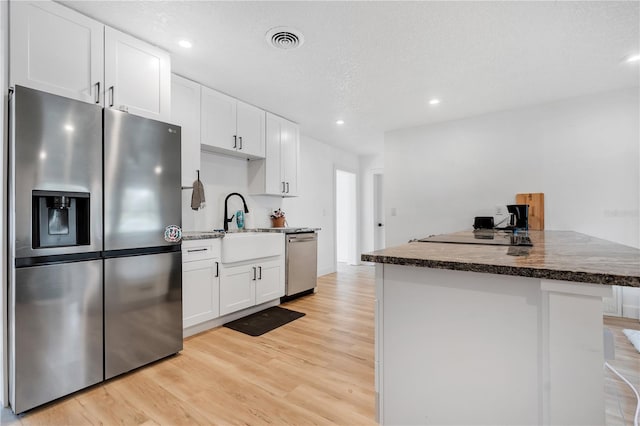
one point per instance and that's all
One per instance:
(94, 289)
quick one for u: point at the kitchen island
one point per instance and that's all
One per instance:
(487, 334)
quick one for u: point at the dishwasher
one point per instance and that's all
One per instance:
(301, 263)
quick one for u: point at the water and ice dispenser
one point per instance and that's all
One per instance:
(60, 219)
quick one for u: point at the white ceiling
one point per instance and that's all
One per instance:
(376, 64)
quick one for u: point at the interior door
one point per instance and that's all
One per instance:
(56, 50)
(378, 212)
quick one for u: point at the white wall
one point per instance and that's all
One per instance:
(314, 207)
(369, 165)
(583, 153)
(222, 175)
(316, 204)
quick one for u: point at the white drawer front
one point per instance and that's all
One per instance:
(200, 249)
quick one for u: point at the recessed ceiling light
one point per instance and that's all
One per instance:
(633, 58)
(434, 101)
(185, 43)
(340, 122)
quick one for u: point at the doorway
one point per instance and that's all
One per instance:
(346, 217)
(378, 212)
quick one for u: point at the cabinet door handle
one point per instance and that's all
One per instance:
(97, 85)
(254, 273)
(194, 250)
(235, 141)
(217, 269)
(283, 187)
(111, 96)
(240, 142)
(260, 270)
(287, 187)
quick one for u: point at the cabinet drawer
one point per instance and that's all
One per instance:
(200, 249)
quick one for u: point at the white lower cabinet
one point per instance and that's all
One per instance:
(247, 284)
(200, 281)
(237, 289)
(270, 282)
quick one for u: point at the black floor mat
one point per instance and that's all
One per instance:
(264, 321)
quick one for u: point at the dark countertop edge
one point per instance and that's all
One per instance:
(519, 271)
(287, 230)
(202, 236)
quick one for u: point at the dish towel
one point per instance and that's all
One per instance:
(197, 197)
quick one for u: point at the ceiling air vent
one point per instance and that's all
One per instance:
(284, 38)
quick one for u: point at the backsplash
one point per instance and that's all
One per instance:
(222, 175)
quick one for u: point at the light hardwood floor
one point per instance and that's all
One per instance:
(316, 370)
(621, 402)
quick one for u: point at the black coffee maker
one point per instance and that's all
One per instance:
(521, 214)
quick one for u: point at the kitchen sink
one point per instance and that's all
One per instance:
(240, 246)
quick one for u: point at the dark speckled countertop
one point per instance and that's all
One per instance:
(203, 235)
(555, 255)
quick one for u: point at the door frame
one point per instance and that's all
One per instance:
(378, 204)
(355, 257)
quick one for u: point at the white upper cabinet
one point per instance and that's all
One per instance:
(289, 154)
(60, 51)
(231, 126)
(277, 174)
(218, 120)
(56, 50)
(185, 112)
(137, 76)
(250, 129)
(270, 181)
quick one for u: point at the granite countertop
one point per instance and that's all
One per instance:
(201, 235)
(290, 230)
(204, 235)
(555, 255)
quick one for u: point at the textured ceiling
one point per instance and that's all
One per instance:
(376, 64)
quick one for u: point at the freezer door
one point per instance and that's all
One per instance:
(56, 333)
(57, 146)
(142, 192)
(143, 310)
